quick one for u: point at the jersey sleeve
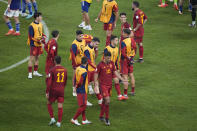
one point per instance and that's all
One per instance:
(115, 8)
(98, 69)
(49, 81)
(82, 80)
(73, 52)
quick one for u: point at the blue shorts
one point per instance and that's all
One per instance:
(85, 6)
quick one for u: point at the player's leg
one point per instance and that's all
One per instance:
(125, 96)
(163, 4)
(29, 5)
(107, 101)
(17, 33)
(117, 87)
(50, 110)
(35, 5)
(141, 51)
(6, 17)
(35, 73)
(30, 63)
(83, 16)
(87, 21)
(175, 5)
(132, 83)
(60, 113)
(73, 79)
(190, 6)
(24, 14)
(181, 7)
(193, 24)
(108, 34)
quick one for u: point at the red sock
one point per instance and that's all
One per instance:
(35, 67)
(79, 111)
(60, 113)
(141, 51)
(125, 91)
(133, 89)
(102, 109)
(108, 40)
(50, 110)
(99, 97)
(117, 86)
(30, 69)
(107, 111)
(83, 115)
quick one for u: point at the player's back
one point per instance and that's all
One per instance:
(59, 78)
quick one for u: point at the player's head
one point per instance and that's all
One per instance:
(55, 34)
(57, 60)
(38, 16)
(114, 40)
(107, 57)
(126, 33)
(84, 61)
(95, 42)
(135, 5)
(123, 17)
(79, 34)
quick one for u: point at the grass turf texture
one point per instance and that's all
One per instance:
(165, 84)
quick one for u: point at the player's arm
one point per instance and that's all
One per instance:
(115, 9)
(31, 34)
(99, 15)
(137, 27)
(123, 51)
(65, 78)
(9, 2)
(49, 84)
(145, 19)
(73, 51)
(52, 51)
(96, 84)
(87, 54)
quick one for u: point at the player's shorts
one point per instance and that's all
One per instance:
(53, 96)
(82, 99)
(105, 90)
(49, 65)
(36, 51)
(138, 39)
(108, 26)
(85, 6)
(125, 68)
(91, 76)
(12, 13)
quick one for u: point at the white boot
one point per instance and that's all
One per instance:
(37, 74)
(30, 76)
(87, 27)
(75, 122)
(52, 121)
(58, 124)
(91, 91)
(89, 104)
(82, 24)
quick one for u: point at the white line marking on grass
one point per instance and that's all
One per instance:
(46, 32)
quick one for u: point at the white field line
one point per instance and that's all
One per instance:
(46, 32)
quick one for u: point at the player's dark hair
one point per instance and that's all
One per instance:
(107, 53)
(123, 13)
(96, 39)
(79, 32)
(113, 37)
(55, 33)
(136, 3)
(58, 59)
(127, 31)
(84, 60)
(37, 14)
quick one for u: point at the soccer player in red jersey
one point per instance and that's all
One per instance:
(55, 90)
(51, 48)
(105, 71)
(109, 16)
(81, 84)
(128, 49)
(124, 25)
(139, 19)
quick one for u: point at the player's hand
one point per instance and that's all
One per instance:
(8, 9)
(96, 20)
(47, 95)
(114, 25)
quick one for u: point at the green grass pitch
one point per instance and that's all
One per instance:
(166, 83)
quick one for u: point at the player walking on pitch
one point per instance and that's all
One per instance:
(128, 48)
(105, 72)
(139, 19)
(113, 49)
(81, 83)
(109, 16)
(35, 40)
(12, 11)
(56, 83)
(85, 5)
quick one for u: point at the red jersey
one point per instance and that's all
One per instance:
(51, 49)
(139, 18)
(105, 73)
(57, 80)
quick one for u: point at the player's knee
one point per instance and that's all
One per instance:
(116, 80)
(141, 44)
(60, 105)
